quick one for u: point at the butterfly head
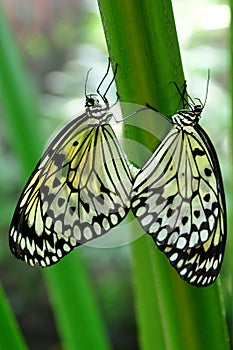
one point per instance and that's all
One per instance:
(191, 112)
(92, 101)
(93, 107)
(186, 117)
(197, 110)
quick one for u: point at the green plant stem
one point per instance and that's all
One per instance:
(141, 38)
(142, 52)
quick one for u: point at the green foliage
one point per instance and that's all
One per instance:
(72, 297)
(11, 337)
(141, 37)
(75, 306)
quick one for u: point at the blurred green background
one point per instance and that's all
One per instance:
(59, 41)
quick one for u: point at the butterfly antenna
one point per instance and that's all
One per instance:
(106, 74)
(88, 72)
(207, 86)
(207, 89)
(113, 78)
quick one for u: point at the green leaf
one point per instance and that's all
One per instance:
(71, 294)
(11, 337)
(18, 100)
(171, 314)
(77, 312)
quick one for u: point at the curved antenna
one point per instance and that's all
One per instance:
(106, 74)
(184, 91)
(207, 89)
(88, 72)
(207, 86)
(113, 78)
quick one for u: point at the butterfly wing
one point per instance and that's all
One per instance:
(77, 192)
(178, 198)
(200, 266)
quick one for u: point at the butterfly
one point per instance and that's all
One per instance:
(78, 191)
(178, 198)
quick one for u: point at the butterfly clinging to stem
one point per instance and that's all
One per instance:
(178, 197)
(78, 191)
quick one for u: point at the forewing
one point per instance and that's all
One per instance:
(175, 196)
(78, 191)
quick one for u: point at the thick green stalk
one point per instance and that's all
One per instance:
(142, 52)
(141, 38)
